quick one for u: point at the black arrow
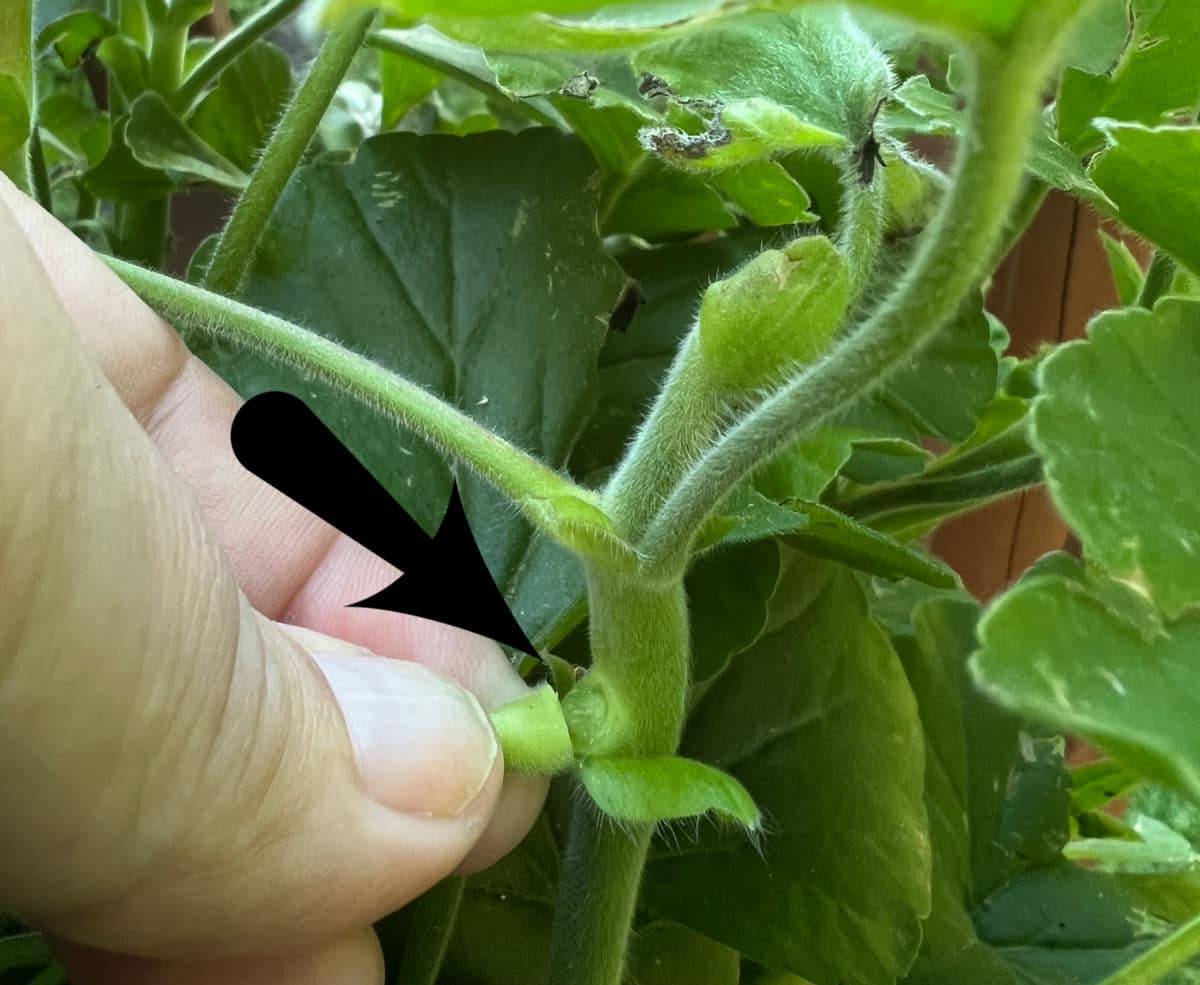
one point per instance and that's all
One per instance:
(280, 440)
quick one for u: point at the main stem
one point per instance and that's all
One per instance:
(640, 651)
(952, 260)
(239, 242)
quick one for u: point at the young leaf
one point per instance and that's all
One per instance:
(453, 259)
(1116, 432)
(74, 33)
(1126, 270)
(784, 81)
(666, 788)
(1149, 173)
(818, 722)
(160, 140)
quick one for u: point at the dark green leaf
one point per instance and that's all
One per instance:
(120, 177)
(1150, 174)
(1116, 428)
(818, 722)
(455, 261)
(237, 116)
(728, 591)
(160, 140)
(1098, 39)
(664, 953)
(24, 951)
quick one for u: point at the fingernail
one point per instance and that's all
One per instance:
(423, 744)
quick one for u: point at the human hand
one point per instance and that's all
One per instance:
(194, 788)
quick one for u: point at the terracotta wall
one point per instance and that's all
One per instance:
(1052, 283)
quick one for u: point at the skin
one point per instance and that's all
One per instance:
(212, 769)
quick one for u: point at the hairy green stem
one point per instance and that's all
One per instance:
(1158, 280)
(168, 46)
(431, 923)
(239, 242)
(226, 51)
(684, 421)
(597, 896)
(952, 259)
(394, 42)
(630, 704)
(16, 61)
(196, 312)
(1164, 957)
(863, 220)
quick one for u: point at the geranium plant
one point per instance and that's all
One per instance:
(689, 298)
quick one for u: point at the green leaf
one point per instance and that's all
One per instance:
(403, 84)
(728, 592)
(14, 116)
(1156, 76)
(1098, 783)
(766, 194)
(1099, 39)
(922, 109)
(941, 393)
(818, 722)
(237, 116)
(1118, 437)
(1126, 270)
(666, 788)
(1149, 173)
(1059, 652)
(74, 33)
(784, 81)
(665, 953)
(24, 951)
(451, 260)
(160, 140)
(662, 202)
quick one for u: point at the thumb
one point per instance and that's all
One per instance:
(182, 777)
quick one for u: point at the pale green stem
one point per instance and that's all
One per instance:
(1158, 280)
(239, 242)
(684, 421)
(196, 312)
(430, 926)
(168, 45)
(635, 695)
(1168, 954)
(226, 51)
(16, 61)
(952, 259)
